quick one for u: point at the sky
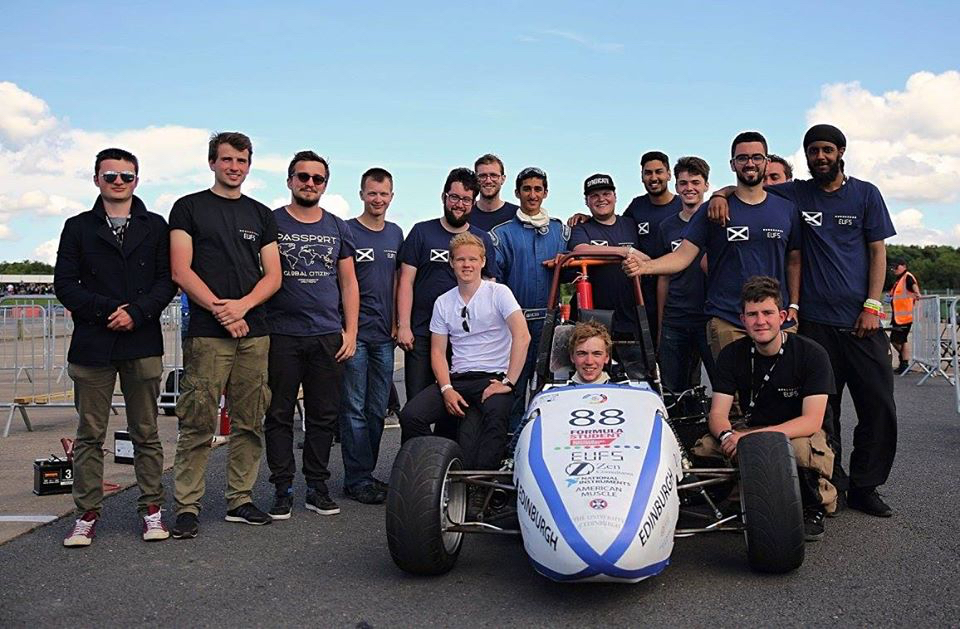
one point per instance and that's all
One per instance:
(420, 88)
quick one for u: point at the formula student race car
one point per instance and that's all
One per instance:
(600, 475)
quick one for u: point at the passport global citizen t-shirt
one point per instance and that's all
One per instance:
(755, 241)
(688, 288)
(376, 259)
(308, 302)
(227, 236)
(612, 289)
(837, 226)
(427, 247)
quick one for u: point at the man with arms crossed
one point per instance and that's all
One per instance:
(425, 274)
(223, 254)
(490, 210)
(680, 297)
(368, 374)
(483, 323)
(761, 238)
(845, 222)
(309, 338)
(782, 382)
(116, 315)
(522, 245)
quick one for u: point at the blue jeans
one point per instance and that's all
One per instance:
(681, 350)
(366, 387)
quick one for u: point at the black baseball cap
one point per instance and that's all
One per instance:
(598, 181)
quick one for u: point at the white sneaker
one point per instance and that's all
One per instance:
(82, 532)
(153, 527)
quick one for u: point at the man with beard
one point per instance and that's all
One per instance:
(523, 244)
(313, 331)
(845, 222)
(761, 238)
(490, 210)
(425, 274)
(224, 255)
(779, 171)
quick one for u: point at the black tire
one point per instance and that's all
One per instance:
(770, 499)
(420, 501)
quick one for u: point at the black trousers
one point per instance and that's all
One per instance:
(417, 372)
(864, 366)
(482, 434)
(310, 361)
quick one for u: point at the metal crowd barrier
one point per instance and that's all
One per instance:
(951, 349)
(926, 336)
(35, 332)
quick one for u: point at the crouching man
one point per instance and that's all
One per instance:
(782, 382)
(488, 334)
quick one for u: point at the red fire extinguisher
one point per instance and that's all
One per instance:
(584, 290)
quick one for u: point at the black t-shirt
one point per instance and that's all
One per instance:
(227, 237)
(803, 370)
(488, 220)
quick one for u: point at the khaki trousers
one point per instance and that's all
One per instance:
(211, 364)
(93, 394)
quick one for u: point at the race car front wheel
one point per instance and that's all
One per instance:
(421, 502)
(770, 501)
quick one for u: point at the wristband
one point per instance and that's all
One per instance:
(873, 304)
(507, 383)
(444, 388)
(794, 307)
(724, 434)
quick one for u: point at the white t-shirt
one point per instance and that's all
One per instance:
(486, 347)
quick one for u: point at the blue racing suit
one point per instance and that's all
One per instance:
(521, 250)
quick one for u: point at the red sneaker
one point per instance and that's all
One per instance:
(153, 527)
(82, 532)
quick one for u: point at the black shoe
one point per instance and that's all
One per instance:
(902, 369)
(321, 503)
(282, 507)
(186, 527)
(248, 513)
(381, 484)
(813, 524)
(841, 504)
(369, 494)
(868, 501)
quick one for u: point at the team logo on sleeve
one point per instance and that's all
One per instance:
(735, 234)
(365, 255)
(814, 219)
(675, 244)
(643, 228)
(439, 255)
(599, 243)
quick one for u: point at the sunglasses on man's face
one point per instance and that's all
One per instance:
(318, 180)
(126, 176)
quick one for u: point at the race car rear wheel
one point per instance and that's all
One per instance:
(770, 501)
(421, 502)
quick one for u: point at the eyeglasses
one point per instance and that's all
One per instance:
(465, 315)
(756, 158)
(126, 176)
(485, 176)
(456, 199)
(305, 177)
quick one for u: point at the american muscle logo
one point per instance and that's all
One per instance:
(594, 436)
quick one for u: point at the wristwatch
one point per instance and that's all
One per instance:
(506, 382)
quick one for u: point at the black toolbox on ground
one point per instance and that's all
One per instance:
(52, 476)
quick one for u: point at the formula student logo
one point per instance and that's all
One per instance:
(738, 234)
(439, 255)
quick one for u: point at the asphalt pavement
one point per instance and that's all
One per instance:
(336, 571)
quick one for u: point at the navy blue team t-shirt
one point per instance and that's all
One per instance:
(648, 218)
(837, 226)
(308, 302)
(755, 241)
(376, 259)
(612, 289)
(688, 288)
(427, 248)
(488, 220)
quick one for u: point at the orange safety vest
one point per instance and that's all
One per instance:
(902, 300)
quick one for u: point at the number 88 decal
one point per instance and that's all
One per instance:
(583, 417)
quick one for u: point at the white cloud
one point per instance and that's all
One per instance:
(39, 203)
(907, 141)
(23, 116)
(576, 38)
(336, 204)
(47, 251)
(912, 230)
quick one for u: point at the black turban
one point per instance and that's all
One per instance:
(824, 133)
